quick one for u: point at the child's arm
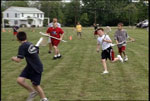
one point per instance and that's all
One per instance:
(131, 39)
(62, 35)
(16, 59)
(117, 42)
(108, 41)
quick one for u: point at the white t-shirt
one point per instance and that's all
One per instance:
(51, 24)
(104, 44)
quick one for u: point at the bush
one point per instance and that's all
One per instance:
(23, 25)
(33, 26)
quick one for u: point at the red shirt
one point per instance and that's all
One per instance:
(55, 31)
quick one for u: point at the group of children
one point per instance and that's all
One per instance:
(104, 40)
(34, 67)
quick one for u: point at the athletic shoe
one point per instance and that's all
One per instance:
(105, 72)
(125, 58)
(120, 58)
(59, 56)
(32, 96)
(54, 58)
(44, 99)
(49, 52)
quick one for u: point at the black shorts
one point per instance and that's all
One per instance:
(107, 53)
(31, 74)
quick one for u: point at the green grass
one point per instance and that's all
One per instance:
(77, 75)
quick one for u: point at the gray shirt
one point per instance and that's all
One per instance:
(121, 36)
(51, 24)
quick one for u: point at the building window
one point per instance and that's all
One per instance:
(22, 15)
(41, 15)
(16, 15)
(38, 15)
(15, 22)
(7, 15)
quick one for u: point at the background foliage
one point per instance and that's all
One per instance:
(103, 12)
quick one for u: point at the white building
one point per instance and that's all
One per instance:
(19, 16)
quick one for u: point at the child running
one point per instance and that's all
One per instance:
(15, 31)
(95, 29)
(49, 39)
(121, 36)
(57, 32)
(107, 51)
(33, 70)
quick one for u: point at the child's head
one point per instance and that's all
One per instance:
(55, 25)
(54, 20)
(120, 26)
(21, 36)
(78, 23)
(100, 31)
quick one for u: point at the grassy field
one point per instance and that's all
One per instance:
(77, 75)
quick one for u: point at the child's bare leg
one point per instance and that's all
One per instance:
(21, 81)
(124, 53)
(50, 47)
(115, 59)
(40, 91)
(104, 64)
(56, 50)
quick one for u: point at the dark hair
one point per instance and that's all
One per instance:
(120, 23)
(100, 29)
(21, 36)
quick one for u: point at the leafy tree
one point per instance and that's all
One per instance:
(84, 19)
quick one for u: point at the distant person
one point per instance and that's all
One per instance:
(104, 41)
(57, 32)
(95, 29)
(33, 70)
(121, 36)
(54, 21)
(79, 30)
(15, 31)
(51, 25)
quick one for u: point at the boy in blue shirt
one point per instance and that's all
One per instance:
(33, 69)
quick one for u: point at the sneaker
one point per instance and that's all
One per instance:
(59, 56)
(54, 58)
(105, 72)
(32, 96)
(44, 99)
(120, 58)
(49, 52)
(125, 58)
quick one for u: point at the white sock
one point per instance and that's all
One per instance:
(44, 99)
(55, 55)
(58, 55)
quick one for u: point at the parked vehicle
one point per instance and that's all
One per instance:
(143, 24)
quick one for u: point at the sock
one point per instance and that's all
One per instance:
(58, 55)
(55, 55)
(44, 99)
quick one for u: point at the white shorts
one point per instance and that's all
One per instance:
(49, 40)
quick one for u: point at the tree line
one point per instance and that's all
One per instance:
(87, 12)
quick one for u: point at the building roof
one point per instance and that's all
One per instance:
(24, 9)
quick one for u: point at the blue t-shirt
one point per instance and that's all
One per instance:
(30, 52)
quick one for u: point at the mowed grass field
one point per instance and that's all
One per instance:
(77, 75)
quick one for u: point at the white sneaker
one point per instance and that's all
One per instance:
(32, 96)
(44, 99)
(105, 72)
(120, 58)
(125, 58)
